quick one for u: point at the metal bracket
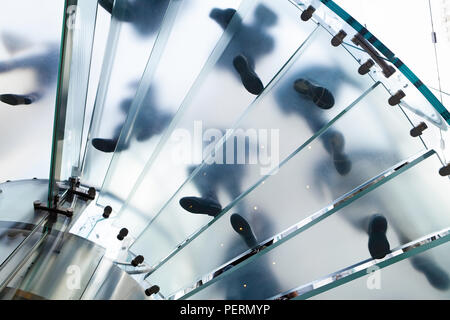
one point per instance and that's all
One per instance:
(73, 190)
(417, 130)
(359, 40)
(365, 67)
(66, 212)
(337, 40)
(307, 14)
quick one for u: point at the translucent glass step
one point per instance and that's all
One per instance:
(306, 182)
(130, 41)
(411, 207)
(401, 281)
(29, 57)
(295, 126)
(185, 42)
(217, 99)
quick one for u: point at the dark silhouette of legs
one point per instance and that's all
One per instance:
(378, 244)
(437, 277)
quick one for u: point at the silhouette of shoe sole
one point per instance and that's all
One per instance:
(321, 97)
(104, 145)
(15, 99)
(201, 206)
(378, 243)
(249, 78)
(241, 226)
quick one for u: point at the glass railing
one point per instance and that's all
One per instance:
(133, 31)
(74, 68)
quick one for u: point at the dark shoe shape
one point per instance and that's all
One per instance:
(342, 163)
(437, 277)
(105, 145)
(333, 141)
(107, 5)
(201, 205)
(378, 243)
(222, 16)
(249, 78)
(322, 97)
(241, 226)
(16, 99)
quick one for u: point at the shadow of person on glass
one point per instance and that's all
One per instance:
(310, 94)
(42, 60)
(382, 213)
(145, 16)
(257, 283)
(220, 172)
(249, 43)
(149, 122)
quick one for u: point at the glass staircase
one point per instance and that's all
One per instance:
(238, 149)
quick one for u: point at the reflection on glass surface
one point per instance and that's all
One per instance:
(411, 208)
(28, 74)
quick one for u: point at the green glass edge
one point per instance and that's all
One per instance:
(51, 182)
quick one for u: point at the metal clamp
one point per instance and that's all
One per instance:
(359, 40)
(66, 212)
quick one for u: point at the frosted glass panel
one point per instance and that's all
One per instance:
(130, 41)
(409, 279)
(295, 120)
(29, 54)
(308, 182)
(267, 37)
(186, 40)
(411, 208)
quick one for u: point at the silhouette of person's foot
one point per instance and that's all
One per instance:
(16, 99)
(241, 226)
(437, 277)
(322, 97)
(222, 16)
(342, 163)
(201, 205)
(249, 78)
(378, 243)
(334, 143)
(105, 145)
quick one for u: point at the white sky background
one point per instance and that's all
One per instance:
(404, 26)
